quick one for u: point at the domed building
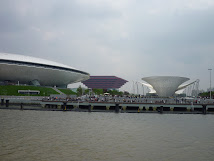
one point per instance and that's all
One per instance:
(35, 71)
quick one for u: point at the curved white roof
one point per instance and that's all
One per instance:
(48, 73)
(23, 58)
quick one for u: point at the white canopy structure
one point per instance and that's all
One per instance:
(165, 86)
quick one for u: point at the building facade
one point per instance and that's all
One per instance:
(104, 82)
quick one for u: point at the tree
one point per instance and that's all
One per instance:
(126, 93)
(79, 91)
(98, 91)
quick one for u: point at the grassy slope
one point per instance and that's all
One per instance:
(13, 90)
(68, 91)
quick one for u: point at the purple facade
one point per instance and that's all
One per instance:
(104, 82)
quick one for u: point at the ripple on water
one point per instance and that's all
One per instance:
(48, 135)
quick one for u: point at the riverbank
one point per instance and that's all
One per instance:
(83, 109)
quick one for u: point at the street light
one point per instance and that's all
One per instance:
(210, 82)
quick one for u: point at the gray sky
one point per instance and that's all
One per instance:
(130, 39)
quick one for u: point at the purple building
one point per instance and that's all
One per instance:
(104, 82)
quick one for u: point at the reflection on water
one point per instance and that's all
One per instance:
(74, 136)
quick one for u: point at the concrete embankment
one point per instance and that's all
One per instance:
(108, 107)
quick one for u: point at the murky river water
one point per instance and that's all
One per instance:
(82, 136)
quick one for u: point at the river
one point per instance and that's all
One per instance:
(81, 136)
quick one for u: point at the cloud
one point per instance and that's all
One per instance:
(127, 38)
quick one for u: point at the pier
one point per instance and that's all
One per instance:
(131, 107)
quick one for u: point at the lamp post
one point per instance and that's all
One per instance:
(210, 82)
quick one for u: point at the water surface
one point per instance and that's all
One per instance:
(82, 136)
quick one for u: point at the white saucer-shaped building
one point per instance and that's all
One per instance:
(165, 86)
(35, 71)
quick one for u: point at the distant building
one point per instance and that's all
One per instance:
(104, 82)
(208, 89)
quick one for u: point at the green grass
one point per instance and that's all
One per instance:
(12, 90)
(68, 91)
(206, 94)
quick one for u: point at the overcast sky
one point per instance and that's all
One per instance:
(130, 39)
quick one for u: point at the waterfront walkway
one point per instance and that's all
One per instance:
(128, 106)
(109, 104)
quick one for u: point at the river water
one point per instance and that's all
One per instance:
(82, 136)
